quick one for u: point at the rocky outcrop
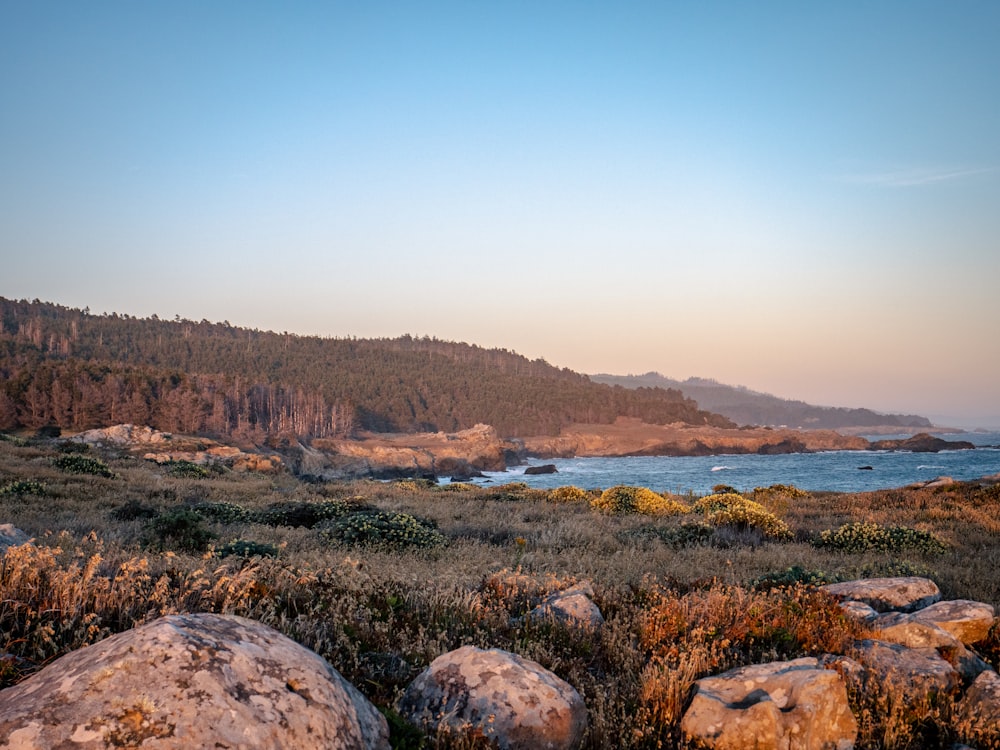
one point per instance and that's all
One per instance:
(11, 536)
(919, 653)
(187, 681)
(543, 469)
(922, 443)
(512, 701)
(796, 704)
(632, 437)
(163, 447)
(921, 645)
(904, 594)
(385, 456)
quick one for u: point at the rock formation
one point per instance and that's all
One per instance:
(796, 704)
(573, 606)
(922, 443)
(887, 594)
(163, 447)
(190, 681)
(511, 700)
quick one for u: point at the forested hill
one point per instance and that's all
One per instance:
(744, 406)
(66, 367)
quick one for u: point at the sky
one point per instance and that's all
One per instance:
(801, 198)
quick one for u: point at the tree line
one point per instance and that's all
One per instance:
(69, 368)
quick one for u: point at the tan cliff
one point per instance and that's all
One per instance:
(631, 437)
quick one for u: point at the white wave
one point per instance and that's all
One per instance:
(930, 466)
(721, 468)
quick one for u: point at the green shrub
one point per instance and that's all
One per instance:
(23, 487)
(223, 512)
(71, 446)
(133, 510)
(866, 536)
(179, 529)
(247, 548)
(77, 464)
(304, 514)
(13, 440)
(568, 494)
(689, 534)
(382, 528)
(894, 569)
(514, 492)
(793, 576)
(624, 499)
(729, 509)
(186, 470)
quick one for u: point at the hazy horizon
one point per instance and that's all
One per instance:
(799, 199)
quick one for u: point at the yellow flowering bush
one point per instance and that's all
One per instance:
(623, 499)
(568, 494)
(730, 509)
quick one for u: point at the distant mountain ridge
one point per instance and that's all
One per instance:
(747, 407)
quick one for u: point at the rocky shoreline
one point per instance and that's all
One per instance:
(465, 454)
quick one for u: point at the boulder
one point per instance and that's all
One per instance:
(968, 621)
(572, 607)
(796, 704)
(979, 710)
(186, 681)
(11, 536)
(887, 594)
(512, 701)
(916, 673)
(966, 662)
(543, 469)
(858, 611)
(906, 630)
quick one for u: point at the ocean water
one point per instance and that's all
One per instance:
(835, 470)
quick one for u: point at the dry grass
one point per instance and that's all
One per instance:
(674, 613)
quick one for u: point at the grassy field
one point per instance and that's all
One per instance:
(380, 578)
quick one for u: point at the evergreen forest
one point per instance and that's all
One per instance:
(72, 370)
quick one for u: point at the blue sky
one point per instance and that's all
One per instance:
(802, 198)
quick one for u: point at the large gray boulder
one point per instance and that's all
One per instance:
(797, 705)
(513, 701)
(190, 681)
(905, 594)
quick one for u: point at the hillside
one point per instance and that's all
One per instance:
(74, 370)
(744, 406)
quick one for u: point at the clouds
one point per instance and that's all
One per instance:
(916, 176)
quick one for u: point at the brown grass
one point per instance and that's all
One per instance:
(673, 613)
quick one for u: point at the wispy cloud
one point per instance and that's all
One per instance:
(914, 177)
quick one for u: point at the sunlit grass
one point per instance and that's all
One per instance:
(678, 605)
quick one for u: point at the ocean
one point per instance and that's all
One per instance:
(838, 471)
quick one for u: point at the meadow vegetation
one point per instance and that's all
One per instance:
(381, 578)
